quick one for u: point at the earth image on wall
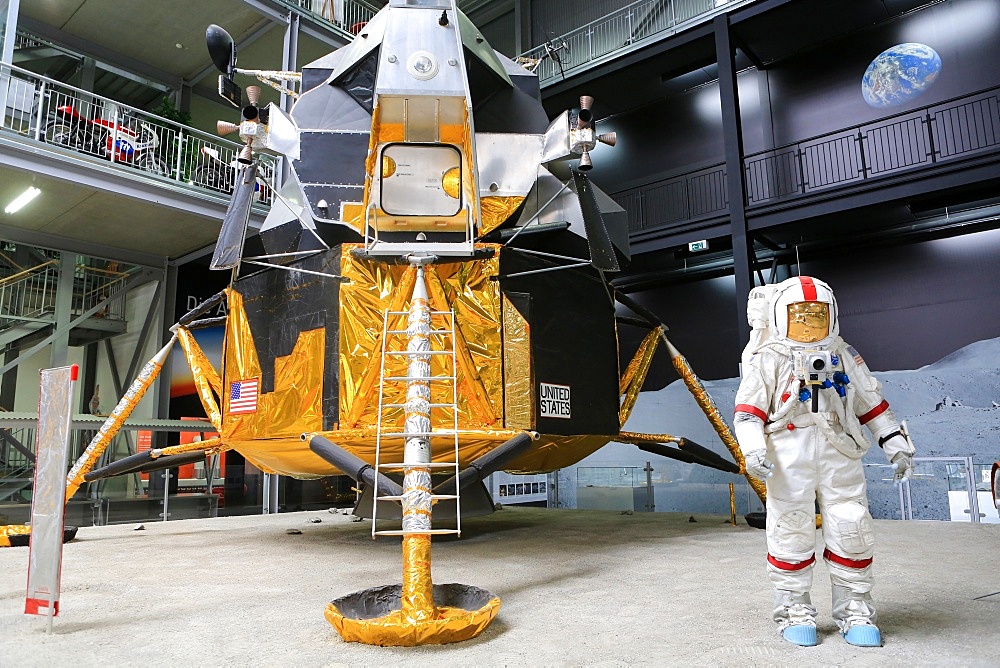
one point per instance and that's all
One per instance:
(900, 74)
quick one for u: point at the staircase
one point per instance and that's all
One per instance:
(28, 302)
(17, 464)
(419, 383)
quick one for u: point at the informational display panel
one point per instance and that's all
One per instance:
(55, 405)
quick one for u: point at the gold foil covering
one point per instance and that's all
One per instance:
(375, 288)
(551, 452)
(637, 437)
(371, 158)
(418, 591)
(388, 166)
(519, 411)
(470, 188)
(451, 181)
(485, 328)
(362, 308)
(352, 214)
(732, 504)
(496, 210)
(295, 405)
(213, 445)
(395, 630)
(711, 411)
(635, 374)
(206, 378)
(12, 530)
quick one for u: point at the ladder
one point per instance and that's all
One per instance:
(445, 338)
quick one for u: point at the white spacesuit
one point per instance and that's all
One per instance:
(799, 410)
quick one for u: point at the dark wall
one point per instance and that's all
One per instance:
(804, 96)
(681, 134)
(702, 321)
(908, 306)
(820, 91)
(500, 34)
(902, 307)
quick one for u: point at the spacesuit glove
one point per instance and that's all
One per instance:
(757, 464)
(903, 463)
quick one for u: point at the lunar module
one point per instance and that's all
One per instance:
(427, 302)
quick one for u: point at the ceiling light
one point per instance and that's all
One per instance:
(31, 193)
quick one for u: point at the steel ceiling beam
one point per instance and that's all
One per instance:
(312, 26)
(101, 53)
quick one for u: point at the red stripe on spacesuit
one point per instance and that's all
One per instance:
(808, 288)
(844, 561)
(790, 566)
(875, 412)
(752, 410)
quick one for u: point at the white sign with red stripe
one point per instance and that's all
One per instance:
(48, 505)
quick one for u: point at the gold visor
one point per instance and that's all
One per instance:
(808, 322)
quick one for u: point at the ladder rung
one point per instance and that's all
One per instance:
(429, 405)
(407, 312)
(430, 465)
(432, 332)
(418, 352)
(434, 497)
(421, 378)
(400, 532)
(416, 434)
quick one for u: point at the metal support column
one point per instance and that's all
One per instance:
(522, 26)
(732, 133)
(289, 61)
(8, 27)
(64, 304)
(270, 506)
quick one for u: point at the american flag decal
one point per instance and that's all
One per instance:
(856, 355)
(243, 396)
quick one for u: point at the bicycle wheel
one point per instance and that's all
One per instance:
(213, 178)
(150, 163)
(64, 134)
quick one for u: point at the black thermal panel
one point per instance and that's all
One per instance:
(573, 344)
(332, 157)
(281, 304)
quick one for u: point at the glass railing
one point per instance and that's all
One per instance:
(621, 30)
(102, 130)
(664, 486)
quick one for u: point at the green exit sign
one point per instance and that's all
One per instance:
(696, 246)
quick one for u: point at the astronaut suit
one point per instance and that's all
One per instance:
(799, 409)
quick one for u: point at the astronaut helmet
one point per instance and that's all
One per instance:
(804, 313)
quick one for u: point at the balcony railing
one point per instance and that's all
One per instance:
(912, 140)
(347, 16)
(671, 201)
(618, 31)
(916, 140)
(101, 129)
(30, 295)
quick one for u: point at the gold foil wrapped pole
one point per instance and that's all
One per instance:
(635, 374)
(711, 411)
(110, 428)
(415, 612)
